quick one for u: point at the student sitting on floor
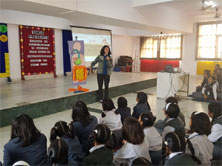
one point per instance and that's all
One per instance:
(134, 143)
(197, 142)
(109, 116)
(62, 130)
(123, 110)
(205, 80)
(152, 136)
(174, 152)
(99, 153)
(142, 105)
(173, 124)
(83, 123)
(214, 111)
(26, 143)
(58, 153)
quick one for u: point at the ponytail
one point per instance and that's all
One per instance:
(103, 114)
(190, 146)
(53, 134)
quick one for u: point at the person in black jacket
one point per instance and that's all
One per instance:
(123, 110)
(26, 143)
(142, 105)
(62, 130)
(99, 153)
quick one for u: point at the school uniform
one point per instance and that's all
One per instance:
(75, 153)
(210, 91)
(180, 158)
(203, 148)
(173, 125)
(216, 138)
(111, 120)
(83, 132)
(154, 138)
(34, 154)
(139, 109)
(99, 155)
(129, 152)
(124, 112)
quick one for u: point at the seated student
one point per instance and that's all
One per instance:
(152, 136)
(134, 143)
(109, 117)
(123, 110)
(173, 124)
(173, 150)
(26, 144)
(58, 153)
(99, 153)
(141, 161)
(83, 123)
(198, 143)
(62, 130)
(214, 111)
(142, 105)
(205, 80)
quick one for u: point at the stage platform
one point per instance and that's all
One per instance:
(39, 97)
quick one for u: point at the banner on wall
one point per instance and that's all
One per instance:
(4, 54)
(37, 49)
(77, 59)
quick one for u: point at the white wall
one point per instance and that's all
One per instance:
(188, 63)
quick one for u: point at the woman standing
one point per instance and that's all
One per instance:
(103, 71)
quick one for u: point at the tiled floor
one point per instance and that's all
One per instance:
(44, 124)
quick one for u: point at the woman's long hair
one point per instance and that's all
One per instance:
(24, 128)
(102, 52)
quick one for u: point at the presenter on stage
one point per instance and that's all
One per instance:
(105, 65)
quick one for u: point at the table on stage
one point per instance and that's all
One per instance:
(170, 84)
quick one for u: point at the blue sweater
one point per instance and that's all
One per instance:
(34, 154)
(139, 109)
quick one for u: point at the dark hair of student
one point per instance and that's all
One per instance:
(148, 119)
(172, 110)
(141, 161)
(58, 152)
(142, 97)
(122, 102)
(61, 129)
(171, 99)
(200, 123)
(102, 51)
(107, 105)
(101, 134)
(24, 128)
(80, 113)
(132, 131)
(216, 109)
(190, 146)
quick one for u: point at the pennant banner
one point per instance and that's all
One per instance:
(4, 55)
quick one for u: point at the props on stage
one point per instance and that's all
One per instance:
(4, 55)
(79, 71)
(37, 49)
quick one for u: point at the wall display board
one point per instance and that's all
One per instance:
(37, 50)
(4, 54)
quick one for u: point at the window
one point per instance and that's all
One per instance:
(161, 47)
(209, 41)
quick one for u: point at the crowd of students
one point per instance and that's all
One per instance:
(211, 86)
(120, 137)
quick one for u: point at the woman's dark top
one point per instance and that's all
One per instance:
(34, 154)
(83, 132)
(124, 112)
(139, 109)
(181, 159)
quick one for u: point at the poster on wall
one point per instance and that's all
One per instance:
(37, 49)
(4, 54)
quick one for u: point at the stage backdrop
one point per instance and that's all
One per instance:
(4, 55)
(37, 49)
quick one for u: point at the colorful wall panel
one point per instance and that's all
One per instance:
(206, 65)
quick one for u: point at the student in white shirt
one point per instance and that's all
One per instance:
(134, 143)
(198, 143)
(109, 117)
(147, 120)
(215, 112)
